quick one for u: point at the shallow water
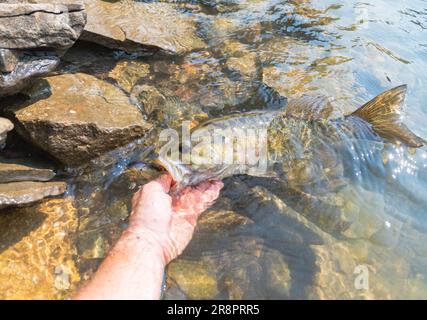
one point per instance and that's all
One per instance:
(266, 238)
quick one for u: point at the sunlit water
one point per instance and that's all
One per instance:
(266, 238)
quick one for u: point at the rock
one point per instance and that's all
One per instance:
(128, 72)
(149, 97)
(25, 55)
(5, 126)
(137, 27)
(21, 193)
(215, 221)
(277, 274)
(364, 210)
(8, 60)
(37, 251)
(14, 170)
(28, 66)
(53, 26)
(165, 110)
(196, 279)
(83, 118)
(245, 65)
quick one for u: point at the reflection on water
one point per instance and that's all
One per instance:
(267, 238)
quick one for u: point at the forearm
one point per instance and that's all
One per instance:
(133, 270)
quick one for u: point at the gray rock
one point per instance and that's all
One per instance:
(36, 26)
(32, 38)
(22, 193)
(15, 170)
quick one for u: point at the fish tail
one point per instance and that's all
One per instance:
(383, 113)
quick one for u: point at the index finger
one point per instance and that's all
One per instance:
(161, 184)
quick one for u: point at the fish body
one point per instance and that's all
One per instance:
(300, 139)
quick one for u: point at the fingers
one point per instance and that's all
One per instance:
(161, 184)
(194, 200)
(152, 205)
(210, 190)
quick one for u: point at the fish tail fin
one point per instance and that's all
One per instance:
(383, 113)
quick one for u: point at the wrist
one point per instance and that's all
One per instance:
(147, 241)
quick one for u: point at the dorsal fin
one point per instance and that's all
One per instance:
(308, 107)
(383, 113)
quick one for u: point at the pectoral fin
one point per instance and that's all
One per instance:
(384, 112)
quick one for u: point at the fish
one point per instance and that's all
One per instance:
(280, 140)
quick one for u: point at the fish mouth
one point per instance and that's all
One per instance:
(171, 168)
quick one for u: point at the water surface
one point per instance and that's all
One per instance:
(268, 239)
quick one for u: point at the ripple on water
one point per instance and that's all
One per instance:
(263, 238)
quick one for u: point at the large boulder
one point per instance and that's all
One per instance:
(82, 118)
(135, 26)
(32, 39)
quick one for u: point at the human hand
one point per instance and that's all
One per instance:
(170, 220)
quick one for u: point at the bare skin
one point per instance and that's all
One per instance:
(160, 227)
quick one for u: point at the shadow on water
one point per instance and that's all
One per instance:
(281, 229)
(247, 254)
(17, 224)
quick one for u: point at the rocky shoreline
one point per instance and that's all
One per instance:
(74, 117)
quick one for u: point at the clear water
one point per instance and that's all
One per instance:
(265, 239)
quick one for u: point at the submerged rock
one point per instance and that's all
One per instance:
(81, 119)
(37, 251)
(5, 126)
(22, 193)
(128, 72)
(14, 170)
(24, 54)
(197, 279)
(245, 65)
(137, 27)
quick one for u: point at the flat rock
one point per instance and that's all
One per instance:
(81, 119)
(135, 26)
(36, 26)
(14, 170)
(5, 126)
(22, 193)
